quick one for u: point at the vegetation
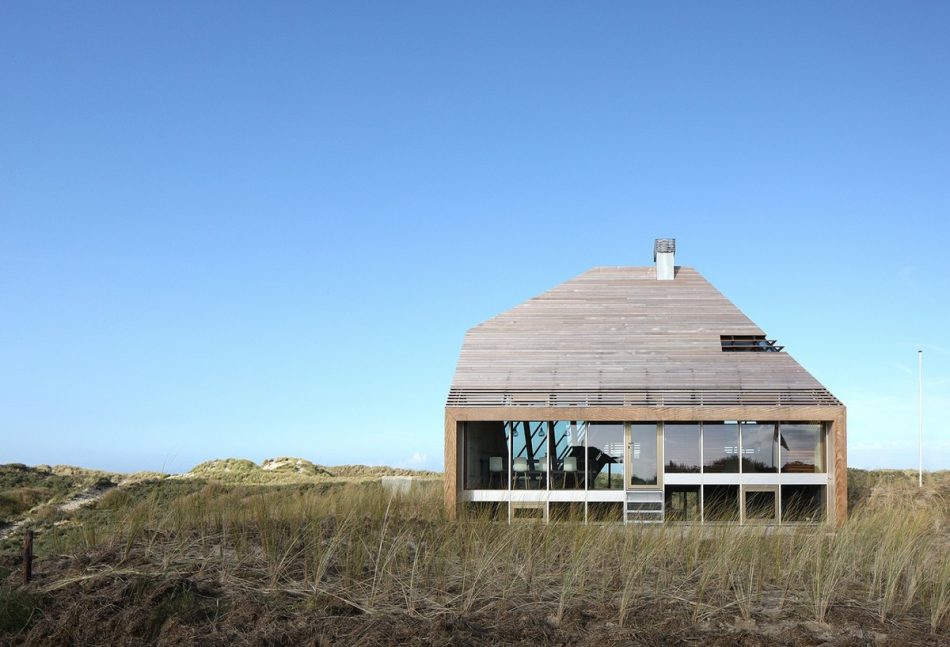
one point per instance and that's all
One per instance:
(23, 488)
(286, 470)
(221, 562)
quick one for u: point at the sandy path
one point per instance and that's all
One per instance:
(77, 501)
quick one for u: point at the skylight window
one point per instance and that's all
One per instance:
(748, 344)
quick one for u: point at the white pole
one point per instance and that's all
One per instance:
(920, 418)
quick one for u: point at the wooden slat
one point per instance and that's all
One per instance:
(638, 397)
(619, 328)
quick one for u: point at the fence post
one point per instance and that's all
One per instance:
(27, 556)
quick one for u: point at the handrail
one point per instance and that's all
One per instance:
(695, 397)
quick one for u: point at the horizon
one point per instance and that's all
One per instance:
(264, 232)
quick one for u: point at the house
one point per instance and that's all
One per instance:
(640, 394)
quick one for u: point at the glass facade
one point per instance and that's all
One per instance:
(803, 503)
(682, 502)
(681, 447)
(605, 453)
(643, 454)
(486, 456)
(760, 505)
(721, 447)
(529, 455)
(721, 503)
(759, 447)
(568, 458)
(802, 448)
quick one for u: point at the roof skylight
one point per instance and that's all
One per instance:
(748, 344)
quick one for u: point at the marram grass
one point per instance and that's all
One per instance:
(357, 545)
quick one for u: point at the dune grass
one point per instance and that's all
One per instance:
(353, 548)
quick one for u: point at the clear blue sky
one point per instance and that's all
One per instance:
(259, 230)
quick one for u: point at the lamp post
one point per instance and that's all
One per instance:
(920, 418)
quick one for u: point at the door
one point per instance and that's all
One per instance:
(643, 456)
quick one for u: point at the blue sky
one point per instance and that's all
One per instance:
(264, 230)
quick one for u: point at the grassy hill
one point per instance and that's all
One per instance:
(42, 487)
(285, 470)
(224, 555)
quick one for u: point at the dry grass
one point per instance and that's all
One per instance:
(350, 556)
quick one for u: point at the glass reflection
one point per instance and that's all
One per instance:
(802, 448)
(682, 503)
(759, 447)
(643, 456)
(803, 503)
(605, 455)
(721, 447)
(486, 456)
(568, 460)
(721, 502)
(529, 455)
(681, 447)
(760, 505)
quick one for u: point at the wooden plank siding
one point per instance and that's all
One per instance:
(643, 349)
(617, 328)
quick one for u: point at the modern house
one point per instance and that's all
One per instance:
(640, 394)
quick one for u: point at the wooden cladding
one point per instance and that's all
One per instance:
(459, 397)
(621, 329)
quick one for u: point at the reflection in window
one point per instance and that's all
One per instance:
(721, 447)
(721, 502)
(760, 506)
(529, 455)
(568, 464)
(803, 503)
(682, 503)
(486, 456)
(643, 456)
(759, 447)
(803, 448)
(681, 447)
(485, 511)
(605, 512)
(605, 455)
(572, 512)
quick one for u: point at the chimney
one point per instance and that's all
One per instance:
(663, 252)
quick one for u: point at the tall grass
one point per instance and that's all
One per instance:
(354, 546)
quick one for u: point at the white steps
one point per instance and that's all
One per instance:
(644, 506)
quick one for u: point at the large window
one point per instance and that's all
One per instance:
(529, 455)
(721, 447)
(643, 454)
(760, 503)
(803, 448)
(682, 502)
(568, 459)
(759, 447)
(803, 503)
(486, 456)
(681, 447)
(605, 455)
(721, 503)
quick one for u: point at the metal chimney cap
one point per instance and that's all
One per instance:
(664, 246)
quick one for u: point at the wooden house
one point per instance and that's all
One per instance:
(639, 394)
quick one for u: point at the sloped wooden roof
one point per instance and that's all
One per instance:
(618, 329)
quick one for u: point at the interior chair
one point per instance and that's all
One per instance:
(520, 466)
(570, 465)
(542, 468)
(495, 468)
